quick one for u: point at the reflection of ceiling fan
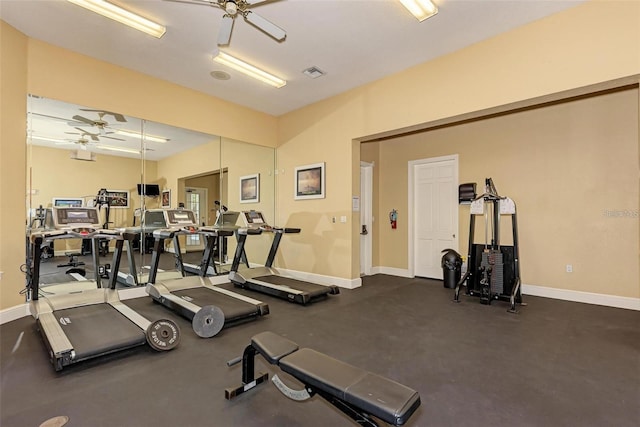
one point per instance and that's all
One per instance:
(82, 142)
(94, 136)
(100, 123)
(232, 9)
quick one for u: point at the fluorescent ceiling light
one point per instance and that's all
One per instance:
(120, 149)
(147, 137)
(123, 16)
(421, 9)
(249, 70)
(48, 138)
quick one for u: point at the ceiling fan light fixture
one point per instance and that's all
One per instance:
(421, 9)
(123, 16)
(249, 70)
(231, 7)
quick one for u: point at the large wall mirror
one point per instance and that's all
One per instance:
(84, 155)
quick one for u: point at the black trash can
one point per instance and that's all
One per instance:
(451, 268)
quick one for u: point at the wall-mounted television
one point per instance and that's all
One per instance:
(149, 190)
(67, 202)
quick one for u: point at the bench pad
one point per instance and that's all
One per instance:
(378, 396)
(272, 346)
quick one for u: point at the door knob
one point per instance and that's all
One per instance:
(364, 230)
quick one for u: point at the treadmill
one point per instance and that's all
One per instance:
(209, 308)
(267, 279)
(86, 324)
(216, 245)
(152, 219)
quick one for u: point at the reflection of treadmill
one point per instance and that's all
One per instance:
(90, 323)
(267, 279)
(210, 308)
(153, 219)
(216, 245)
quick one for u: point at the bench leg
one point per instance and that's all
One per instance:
(249, 379)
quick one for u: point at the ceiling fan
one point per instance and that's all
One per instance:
(100, 123)
(94, 136)
(82, 142)
(232, 9)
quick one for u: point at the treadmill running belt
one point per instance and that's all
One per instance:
(98, 329)
(232, 308)
(311, 288)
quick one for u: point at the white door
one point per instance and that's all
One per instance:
(366, 217)
(434, 204)
(196, 200)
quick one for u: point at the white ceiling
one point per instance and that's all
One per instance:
(353, 41)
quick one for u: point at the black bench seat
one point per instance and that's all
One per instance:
(353, 390)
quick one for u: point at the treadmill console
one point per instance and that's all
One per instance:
(154, 218)
(254, 219)
(82, 220)
(181, 218)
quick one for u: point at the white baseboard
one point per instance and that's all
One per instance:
(584, 297)
(14, 313)
(322, 279)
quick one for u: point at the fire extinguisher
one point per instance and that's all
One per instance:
(393, 218)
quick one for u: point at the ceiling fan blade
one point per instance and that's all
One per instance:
(226, 26)
(267, 26)
(83, 119)
(119, 117)
(113, 137)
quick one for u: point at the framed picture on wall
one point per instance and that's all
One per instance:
(250, 188)
(309, 182)
(117, 198)
(166, 199)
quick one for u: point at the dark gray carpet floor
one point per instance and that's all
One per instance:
(555, 364)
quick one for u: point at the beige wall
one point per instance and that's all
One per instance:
(567, 167)
(588, 44)
(13, 116)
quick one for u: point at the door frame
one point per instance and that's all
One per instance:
(411, 203)
(366, 207)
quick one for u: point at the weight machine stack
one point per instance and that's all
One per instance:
(493, 271)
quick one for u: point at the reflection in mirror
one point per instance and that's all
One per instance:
(97, 158)
(79, 156)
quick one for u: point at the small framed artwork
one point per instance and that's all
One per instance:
(250, 188)
(309, 182)
(117, 198)
(166, 198)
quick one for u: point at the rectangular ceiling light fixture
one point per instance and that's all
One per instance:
(421, 9)
(123, 16)
(146, 136)
(119, 149)
(249, 70)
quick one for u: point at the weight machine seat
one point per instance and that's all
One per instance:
(372, 394)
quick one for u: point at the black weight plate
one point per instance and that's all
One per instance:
(208, 321)
(163, 335)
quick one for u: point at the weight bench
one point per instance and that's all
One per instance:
(354, 391)
(74, 264)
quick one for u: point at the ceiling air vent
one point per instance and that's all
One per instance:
(313, 72)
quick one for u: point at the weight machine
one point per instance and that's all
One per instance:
(493, 270)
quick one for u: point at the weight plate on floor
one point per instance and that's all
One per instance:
(163, 335)
(208, 321)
